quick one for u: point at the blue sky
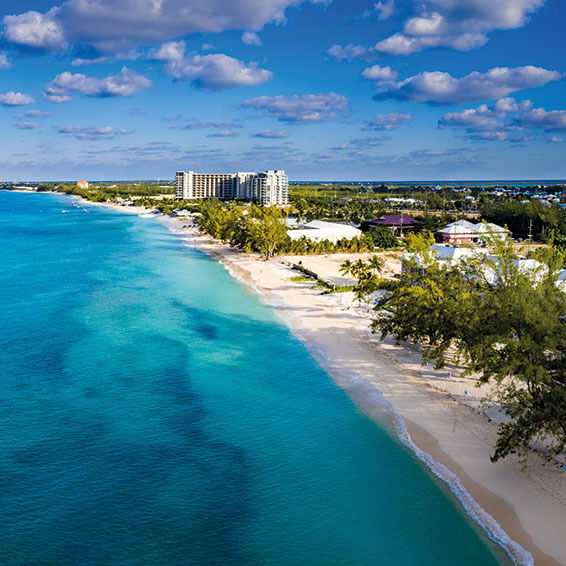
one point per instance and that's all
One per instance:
(337, 90)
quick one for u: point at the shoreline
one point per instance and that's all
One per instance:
(523, 512)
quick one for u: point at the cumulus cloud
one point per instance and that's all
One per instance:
(124, 83)
(15, 99)
(251, 38)
(170, 51)
(217, 71)
(454, 24)
(442, 88)
(115, 25)
(36, 30)
(381, 75)
(506, 115)
(552, 121)
(27, 125)
(391, 121)
(4, 63)
(486, 122)
(300, 108)
(271, 134)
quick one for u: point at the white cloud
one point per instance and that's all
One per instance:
(271, 134)
(360, 146)
(208, 47)
(105, 130)
(131, 55)
(224, 134)
(79, 62)
(379, 74)
(115, 25)
(300, 108)
(170, 51)
(351, 51)
(442, 88)
(37, 114)
(33, 29)
(15, 99)
(124, 83)
(4, 63)
(202, 125)
(92, 132)
(27, 125)
(552, 121)
(385, 9)
(456, 24)
(388, 121)
(251, 38)
(495, 121)
(217, 71)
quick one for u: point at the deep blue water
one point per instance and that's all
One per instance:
(152, 411)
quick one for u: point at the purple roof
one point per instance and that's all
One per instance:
(394, 220)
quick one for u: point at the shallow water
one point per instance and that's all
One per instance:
(153, 411)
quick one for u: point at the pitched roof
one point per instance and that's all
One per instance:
(457, 229)
(394, 220)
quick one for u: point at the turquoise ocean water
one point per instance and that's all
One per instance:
(153, 411)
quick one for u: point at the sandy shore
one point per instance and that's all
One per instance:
(523, 509)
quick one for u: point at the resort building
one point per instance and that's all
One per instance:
(395, 222)
(464, 232)
(82, 184)
(269, 188)
(319, 230)
(451, 256)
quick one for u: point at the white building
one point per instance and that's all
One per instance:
(269, 188)
(318, 231)
(464, 232)
(450, 256)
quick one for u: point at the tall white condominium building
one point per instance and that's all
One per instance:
(271, 187)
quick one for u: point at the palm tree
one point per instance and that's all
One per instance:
(376, 264)
(346, 267)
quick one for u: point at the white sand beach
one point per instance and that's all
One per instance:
(439, 408)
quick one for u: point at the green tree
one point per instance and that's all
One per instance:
(507, 325)
(367, 275)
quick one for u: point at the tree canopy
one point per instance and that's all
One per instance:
(506, 323)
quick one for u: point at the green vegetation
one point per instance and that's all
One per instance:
(367, 275)
(303, 246)
(545, 223)
(262, 229)
(512, 333)
(252, 228)
(103, 191)
(301, 278)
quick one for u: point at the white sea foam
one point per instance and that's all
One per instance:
(492, 528)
